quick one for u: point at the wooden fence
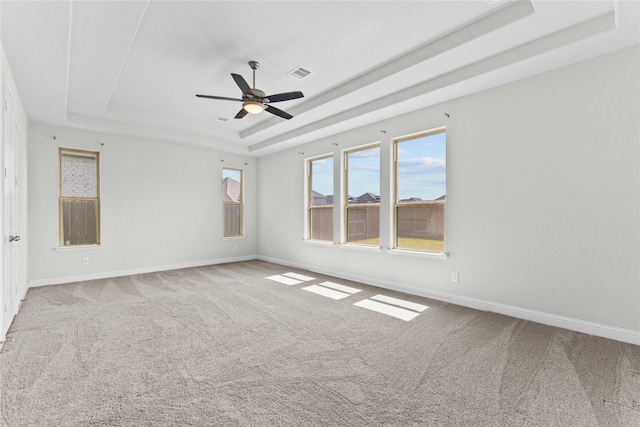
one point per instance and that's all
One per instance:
(414, 220)
(79, 222)
(421, 221)
(232, 219)
(363, 222)
(321, 223)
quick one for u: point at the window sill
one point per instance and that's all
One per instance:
(352, 246)
(319, 242)
(76, 248)
(443, 256)
(234, 238)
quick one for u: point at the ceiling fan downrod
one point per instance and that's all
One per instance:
(254, 66)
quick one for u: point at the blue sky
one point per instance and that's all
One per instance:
(231, 173)
(422, 167)
(421, 170)
(364, 172)
(323, 176)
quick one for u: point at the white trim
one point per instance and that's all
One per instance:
(118, 273)
(76, 248)
(442, 256)
(358, 247)
(591, 328)
(318, 242)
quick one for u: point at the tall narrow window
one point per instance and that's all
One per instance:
(79, 197)
(421, 188)
(232, 202)
(320, 198)
(362, 204)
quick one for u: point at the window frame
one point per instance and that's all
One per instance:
(345, 196)
(61, 198)
(240, 203)
(309, 198)
(396, 199)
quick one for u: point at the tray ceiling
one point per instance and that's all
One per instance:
(134, 67)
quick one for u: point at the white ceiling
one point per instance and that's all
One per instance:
(134, 67)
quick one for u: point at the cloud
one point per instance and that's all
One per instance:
(366, 168)
(422, 166)
(369, 152)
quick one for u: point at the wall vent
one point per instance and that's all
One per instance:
(221, 119)
(299, 73)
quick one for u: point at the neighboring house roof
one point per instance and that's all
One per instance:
(442, 197)
(412, 199)
(318, 198)
(367, 197)
(230, 190)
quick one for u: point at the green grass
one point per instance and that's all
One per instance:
(369, 242)
(420, 244)
(409, 243)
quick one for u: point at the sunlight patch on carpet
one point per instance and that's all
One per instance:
(326, 292)
(341, 288)
(284, 280)
(299, 276)
(400, 303)
(389, 310)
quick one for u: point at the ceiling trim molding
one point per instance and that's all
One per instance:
(126, 56)
(592, 27)
(115, 127)
(508, 14)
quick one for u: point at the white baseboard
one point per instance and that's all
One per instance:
(132, 271)
(586, 327)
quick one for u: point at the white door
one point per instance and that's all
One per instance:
(11, 234)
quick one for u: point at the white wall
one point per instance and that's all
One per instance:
(160, 206)
(543, 194)
(9, 311)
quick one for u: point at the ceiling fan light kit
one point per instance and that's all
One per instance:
(253, 107)
(254, 101)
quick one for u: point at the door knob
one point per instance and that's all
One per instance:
(14, 238)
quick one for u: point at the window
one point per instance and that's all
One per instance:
(420, 191)
(362, 201)
(79, 200)
(232, 202)
(320, 198)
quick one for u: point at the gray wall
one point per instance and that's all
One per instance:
(542, 200)
(161, 206)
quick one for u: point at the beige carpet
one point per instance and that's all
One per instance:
(225, 346)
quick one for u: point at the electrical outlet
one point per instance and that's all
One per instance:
(85, 260)
(455, 277)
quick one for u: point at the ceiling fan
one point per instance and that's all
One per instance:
(254, 100)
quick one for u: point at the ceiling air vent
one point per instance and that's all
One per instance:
(299, 73)
(221, 119)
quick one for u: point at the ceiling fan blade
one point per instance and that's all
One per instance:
(224, 98)
(242, 83)
(277, 112)
(283, 96)
(241, 114)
